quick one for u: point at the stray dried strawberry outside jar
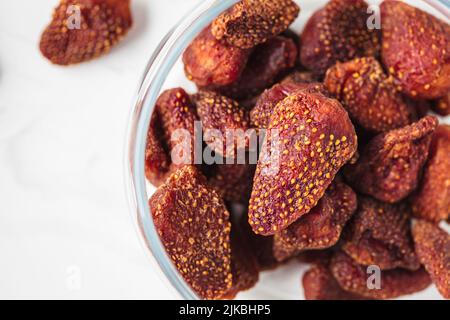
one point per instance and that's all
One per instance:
(341, 161)
(82, 30)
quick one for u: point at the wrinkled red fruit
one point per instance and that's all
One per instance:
(416, 50)
(300, 77)
(433, 248)
(261, 246)
(320, 228)
(251, 22)
(338, 32)
(432, 200)
(102, 24)
(248, 103)
(390, 165)
(310, 137)
(316, 256)
(442, 106)
(233, 181)
(319, 284)
(268, 63)
(244, 266)
(261, 113)
(210, 62)
(170, 139)
(177, 112)
(224, 115)
(157, 159)
(394, 283)
(380, 235)
(370, 97)
(193, 225)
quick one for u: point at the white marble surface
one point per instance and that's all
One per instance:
(65, 228)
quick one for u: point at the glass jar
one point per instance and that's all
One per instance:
(165, 70)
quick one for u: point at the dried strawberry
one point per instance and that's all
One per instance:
(380, 235)
(319, 284)
(244, 265)
(310, 137)
(252, 22)
(433, 248)
(369, 95)
(249, 103)
(261, 113)
(316, 256)
(171, 134)
(268, 63)
(193, 225)
(416, 50)
(432, 200)
(338, 32)
(177, 112)
(233, 181)
(390, 165)
(261, 246)
(223, 114)
(320, 228)
(300, 77)
(210, 62)
(102, 24)
(442, 106)
(157, 159)
(394, 283)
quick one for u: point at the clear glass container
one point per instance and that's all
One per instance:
(164, 70)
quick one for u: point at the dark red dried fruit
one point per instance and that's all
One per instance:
(268, 63)
(432, 200)
(320, 228)
(394, 283)
(316, 256)
(193, 225)
(210, 62)
(319, 284)
(261, 246)
(310, 137)
(300, 77)
(380, 235)
(248, 103)
(416, 50)
(157, 159)
(442, 106)
(224, 115)
(338, 32)
(171, 134)
(177, 112)
(251, 22)
(233, 181)
(244, 266)
(261, 113)
(390, 165)
(369, 95)
(102, 24)
(433, 248)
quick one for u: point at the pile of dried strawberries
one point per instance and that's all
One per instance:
(363, 171)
